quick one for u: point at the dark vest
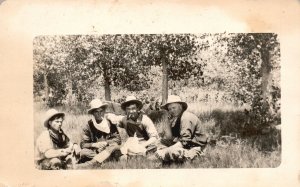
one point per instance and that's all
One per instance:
(96, 134)
(176, 129)
(133, 127)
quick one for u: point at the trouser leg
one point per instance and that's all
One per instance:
(95, 158)
(106, 153)
(86, 159)
(115, 152)
(87, 155)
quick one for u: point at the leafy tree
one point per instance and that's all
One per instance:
(115, 58)
(62, 61)
(75, 62)
(175, 54)
(255, 58)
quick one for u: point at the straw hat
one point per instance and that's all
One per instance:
(175, 99)
(96, 103)
(131, 100)
(51, 113)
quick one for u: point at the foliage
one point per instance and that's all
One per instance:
(256, 57)
(179, 52)
(241, 69)
(119, 60)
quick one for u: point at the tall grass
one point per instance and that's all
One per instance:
(218, 120)
(239, 155)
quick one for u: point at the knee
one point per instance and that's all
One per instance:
(87, 153)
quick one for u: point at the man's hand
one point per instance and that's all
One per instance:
(76, 149)
(69, 149)
(99, 145)
(65, 152)
(194, 152)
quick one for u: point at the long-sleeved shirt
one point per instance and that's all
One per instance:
(92, 135)
(45, 143)
(189, 131)
(143, 127)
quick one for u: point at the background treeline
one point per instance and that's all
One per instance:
(233, 79)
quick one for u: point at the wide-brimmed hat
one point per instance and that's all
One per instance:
(51, 113)
(175, 99)
(96, 103)
(131, 100)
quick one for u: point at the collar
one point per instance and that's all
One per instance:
(103, 126)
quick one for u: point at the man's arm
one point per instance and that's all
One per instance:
(86, 140)
(52, 153)
(115, 119)
(186, 130)
(200, 137)
(191, 133)
(45, 146)
(150, 129)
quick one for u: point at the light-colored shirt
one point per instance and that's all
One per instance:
(191, 130)
(43, 144)
(143, 127)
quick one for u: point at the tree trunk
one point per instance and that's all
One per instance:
(46, 88)
(265, 74)
(69, 92)
(164, 80)
(106, 85)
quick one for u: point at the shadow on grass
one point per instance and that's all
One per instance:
(233, 123)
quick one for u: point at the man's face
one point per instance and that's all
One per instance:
(174, 109)
(56, 123)
(98, 114)
(132, 111)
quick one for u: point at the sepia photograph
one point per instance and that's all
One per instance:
(157, 101)
(149, 93)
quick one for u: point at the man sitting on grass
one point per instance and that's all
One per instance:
(188, 138)
(54, 150)
(100, 138)
(139, 127)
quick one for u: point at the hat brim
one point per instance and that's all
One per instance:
(137, 102)
(56, 114)
(102, 106)
(183, 104)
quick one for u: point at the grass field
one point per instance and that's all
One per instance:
(219, 121)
